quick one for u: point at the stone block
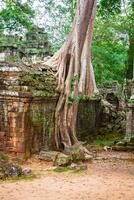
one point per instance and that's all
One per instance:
(2, 134)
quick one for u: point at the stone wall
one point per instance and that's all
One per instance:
(113, 116)
(34, 43)
(130, 123)
(89, 120)
(129, 91)
(26, 124)
(27, 106)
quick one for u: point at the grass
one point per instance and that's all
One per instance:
(3, 157)
(109, 139)
(61, 169)
(103, 142)
(19, 178)
(67, 169)
(79, 171)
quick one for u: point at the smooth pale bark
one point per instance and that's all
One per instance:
(73, 66)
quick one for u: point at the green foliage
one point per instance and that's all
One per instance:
(114, 27)
(131, 101)
(78, 98)
(34, 43)
(124, 12)
(16, 15)
(61, 169)
(60, 17)
(3, 157)
(73, 80)
(104, 142)
(40, 83)
(111, 6)
(20, 178)
(110, 41)
(109, 51)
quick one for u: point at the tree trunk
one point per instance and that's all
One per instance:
(74, 73)
(130, 70)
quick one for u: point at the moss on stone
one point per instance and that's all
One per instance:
(41, 84)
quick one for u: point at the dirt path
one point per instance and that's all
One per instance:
(110, 179)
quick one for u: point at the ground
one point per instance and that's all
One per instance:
(109, 177)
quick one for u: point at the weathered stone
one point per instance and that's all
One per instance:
(14, 48)
(62, 160)
(130, 122)
(27, 172)
(12, 170)
(123, 148)
(9, 170)
(88, 157)
(112, 120)
(27, 108)
(78, 153)
(48, 155)
(78, 166)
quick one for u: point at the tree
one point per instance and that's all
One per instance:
(74, 73)
(130, 22)
(57, 19)
(109, 49)
(126, 8)
(15, 15)
(110, 41)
